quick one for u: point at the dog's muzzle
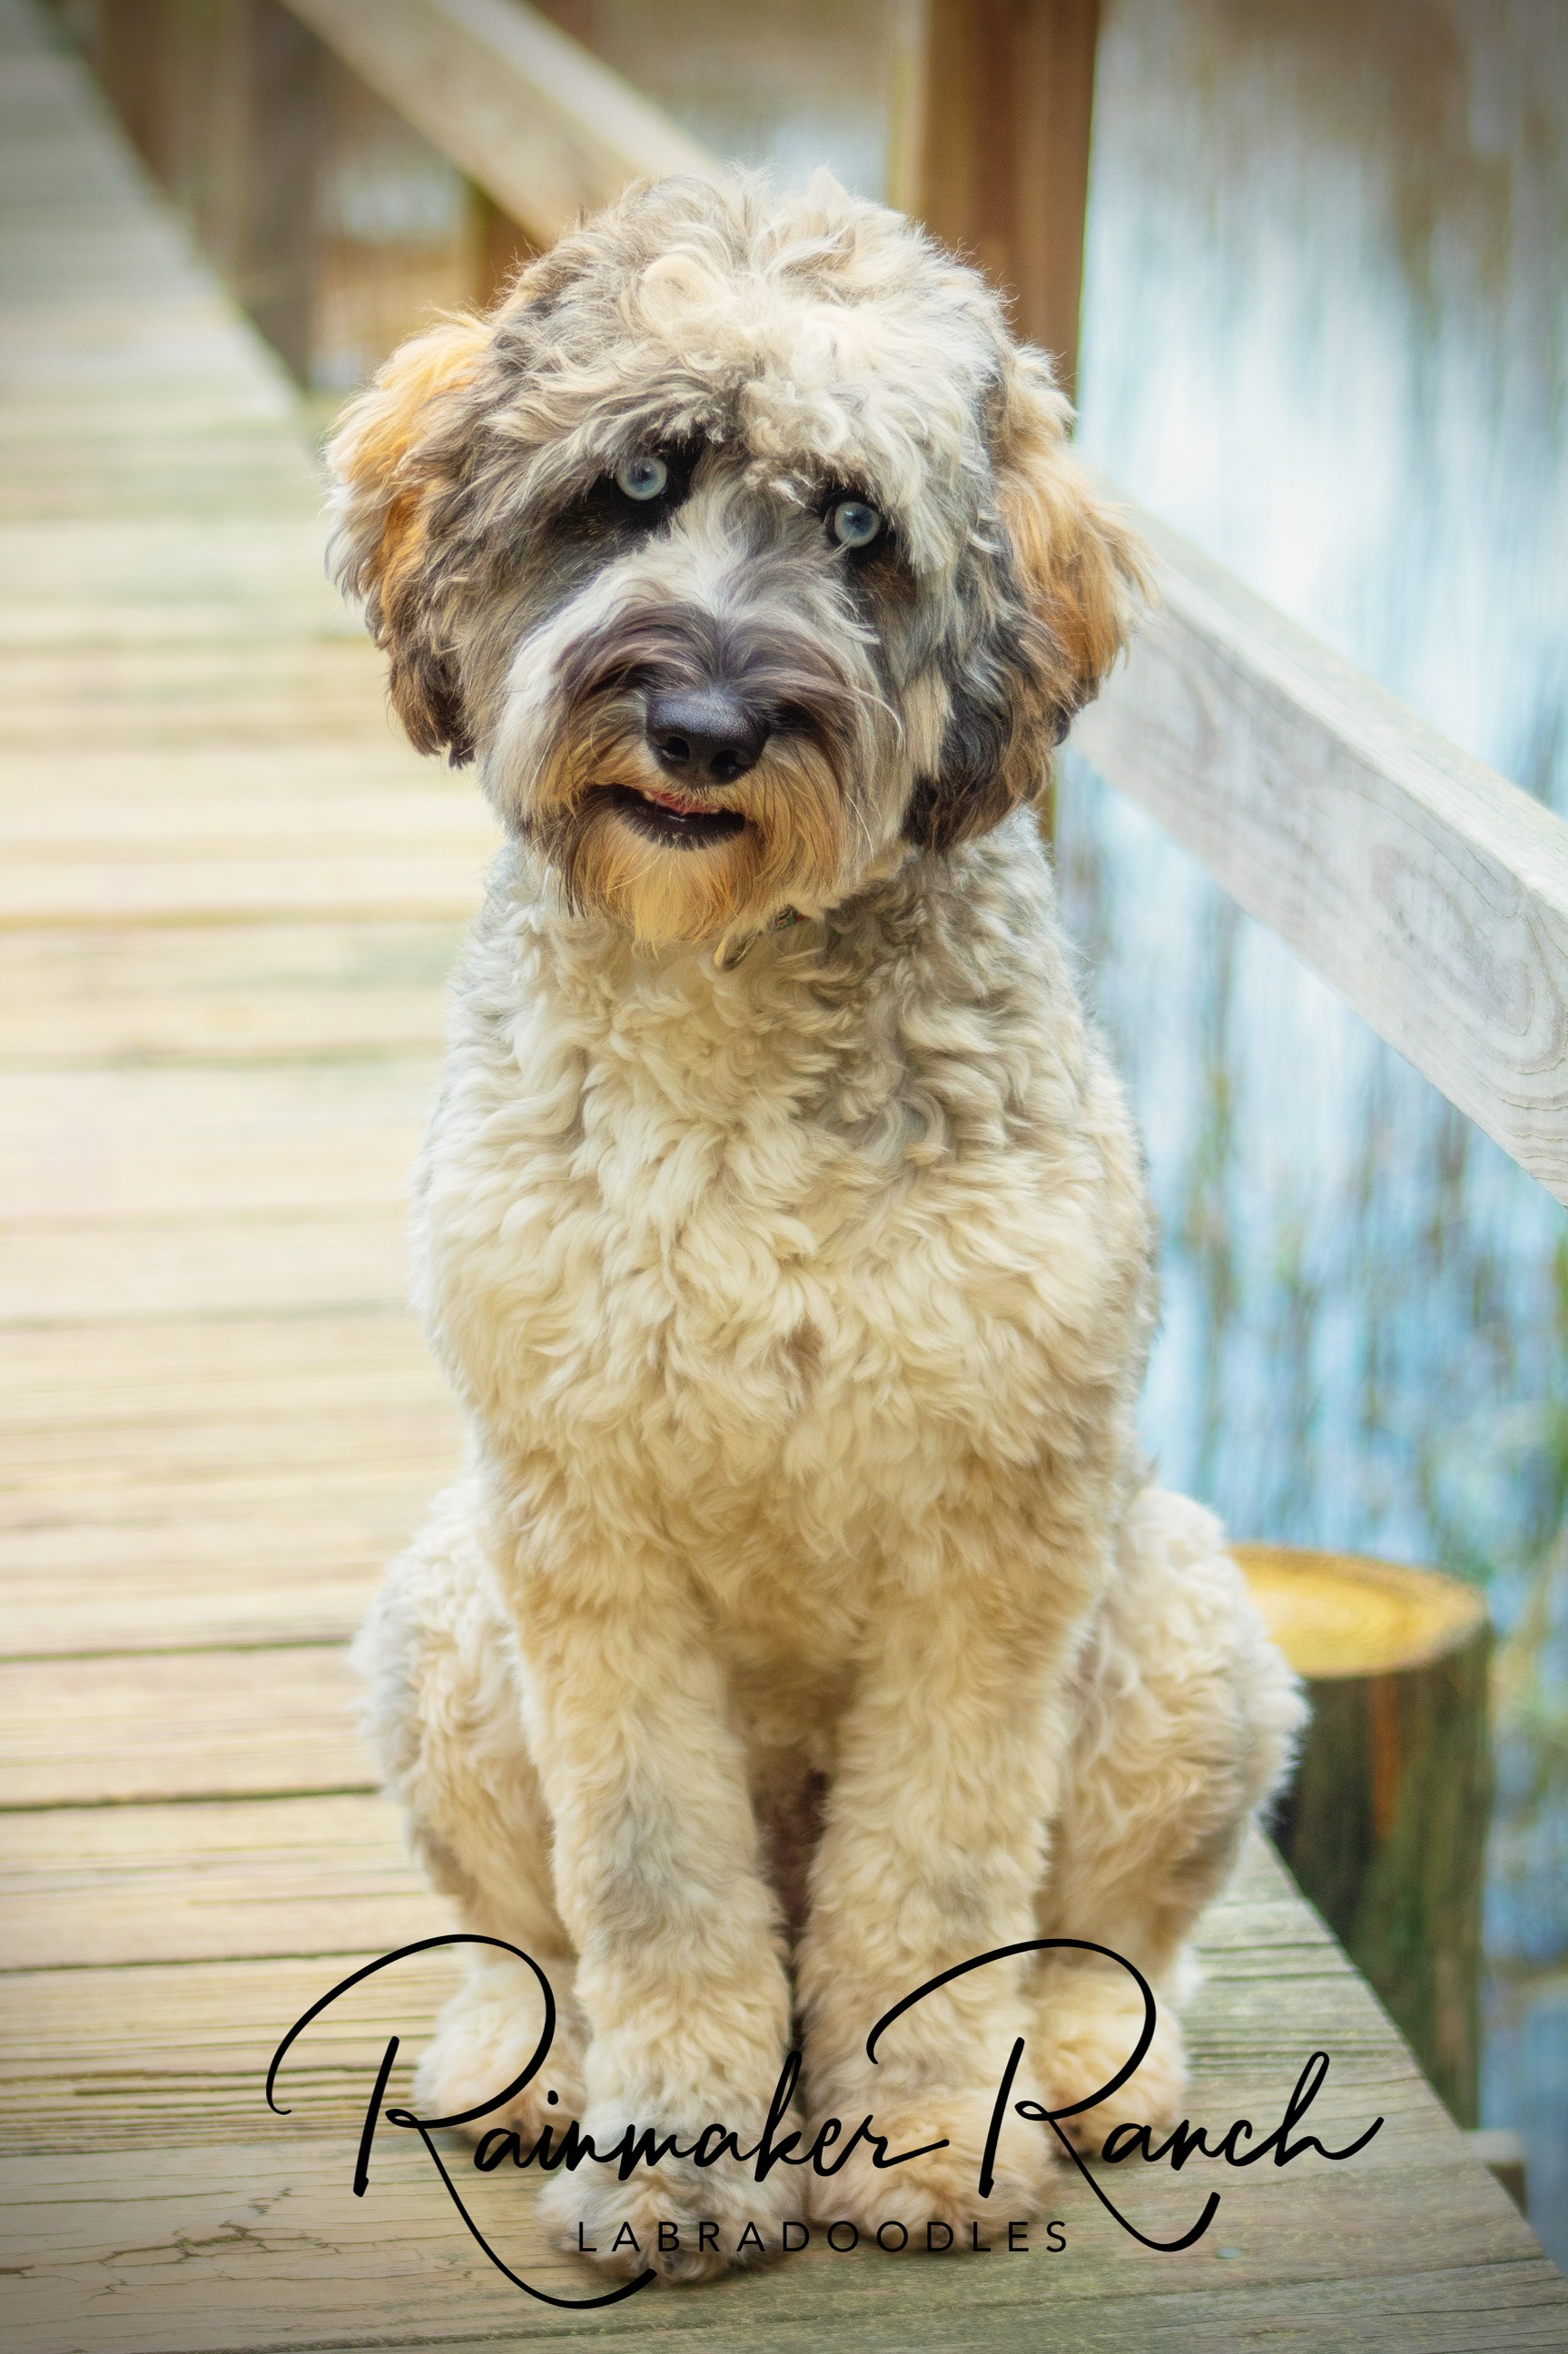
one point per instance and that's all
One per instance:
(705, 735)
(702, 737)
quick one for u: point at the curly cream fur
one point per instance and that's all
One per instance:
(803, 1625)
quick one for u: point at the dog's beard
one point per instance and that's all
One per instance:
(748, 849)
(676, 862)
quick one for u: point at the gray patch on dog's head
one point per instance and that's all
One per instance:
(761, 362)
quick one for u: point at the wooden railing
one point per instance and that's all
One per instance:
(1427, 891)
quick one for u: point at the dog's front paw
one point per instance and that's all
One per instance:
(1087, 2030)
(685, 2221)
(484, 2038)
(897, 2201)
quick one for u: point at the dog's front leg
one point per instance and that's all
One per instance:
(680, 1974)
(950, 1764)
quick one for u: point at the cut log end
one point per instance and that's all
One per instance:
(1336, 1614)
(1384, 1824)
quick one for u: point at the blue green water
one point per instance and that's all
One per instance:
(1326, 334)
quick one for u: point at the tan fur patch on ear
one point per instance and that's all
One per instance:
(381, 432)
(1080, 567)
(378, 427)
(388, 472)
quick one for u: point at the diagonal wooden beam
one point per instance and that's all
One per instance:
(542, 126)
(1428, 892)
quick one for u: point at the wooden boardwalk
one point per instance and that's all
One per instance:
(227, 904)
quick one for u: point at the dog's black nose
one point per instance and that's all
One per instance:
(705, 734)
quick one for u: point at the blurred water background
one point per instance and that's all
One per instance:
(1326, 335)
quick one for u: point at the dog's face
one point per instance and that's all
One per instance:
(742, 547)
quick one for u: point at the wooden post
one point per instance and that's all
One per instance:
(1386, 1824)
(501, 248)
(226, 101)
(993, 101)
(130, 49)
(283, 108)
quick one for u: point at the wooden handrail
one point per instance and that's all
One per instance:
(537, 121)
(1427, 891)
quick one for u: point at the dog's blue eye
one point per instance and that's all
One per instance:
(643, 477)
(855, 524)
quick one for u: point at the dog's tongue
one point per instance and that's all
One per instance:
(682, 807)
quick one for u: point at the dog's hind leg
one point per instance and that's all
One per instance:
(445, 1712)
(1186, 1724)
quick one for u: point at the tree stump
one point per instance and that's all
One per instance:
(1384, 1825)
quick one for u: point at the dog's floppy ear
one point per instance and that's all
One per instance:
(1052, 605)
(1079, 567)
(391, 462)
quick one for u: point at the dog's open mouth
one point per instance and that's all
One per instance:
(679, 822)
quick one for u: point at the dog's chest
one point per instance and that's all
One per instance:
(686, 1240)
(750, 1271)
(776, 1271)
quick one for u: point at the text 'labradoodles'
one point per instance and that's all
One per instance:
(802, 1627)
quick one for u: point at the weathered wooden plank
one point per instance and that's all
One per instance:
(431, 886)
(263, 2245)
(74, 357)
(534, 119)
(208, 993)
(1427, 891)
(1300, 2257)
(236, 1454)
(100, 1379)
(119, 1145)
(209, 1881)
(220, 467)
(155, 828)
(215, 2252)
(129, 583)
(134, 1426)
(182, 1485)
(341, 1262)
(172, 1569)
(276, 690)
(193, 1724)
(237, 1491)
(73, 1030)
(113, 2057)
(376, 765)
(275, 1182)
(127, 1391)
(150, 426)
(143, 2057)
